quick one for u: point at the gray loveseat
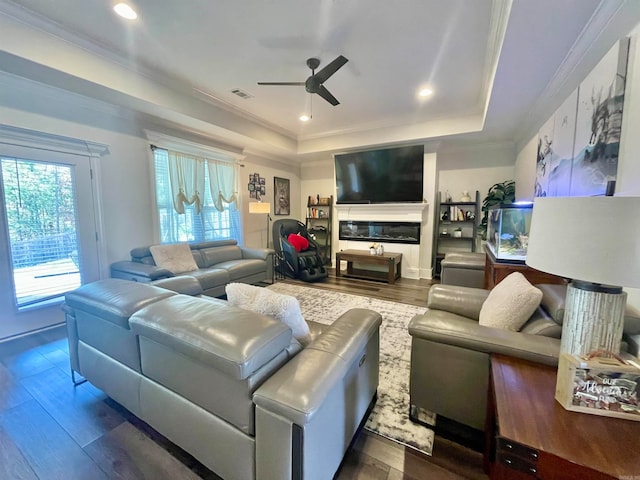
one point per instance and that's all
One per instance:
(219, 263)
(229, 386)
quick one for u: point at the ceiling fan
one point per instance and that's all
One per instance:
(315, 83)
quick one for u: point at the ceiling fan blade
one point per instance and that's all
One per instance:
(324, 93)
(330, 69)
(282, 83)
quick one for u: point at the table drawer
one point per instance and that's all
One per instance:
(517, 457)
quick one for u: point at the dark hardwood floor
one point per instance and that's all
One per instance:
(50, 429)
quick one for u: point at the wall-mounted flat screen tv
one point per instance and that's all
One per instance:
(392, 175)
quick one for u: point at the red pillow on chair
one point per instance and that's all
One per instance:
(298, 241)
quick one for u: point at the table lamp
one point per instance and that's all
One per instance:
(595, 242)
(262, 207)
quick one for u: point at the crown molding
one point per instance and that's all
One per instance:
(46, 141)
(500, 11)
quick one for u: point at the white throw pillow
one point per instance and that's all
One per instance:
(284, 308)
(510, 303)
(176, 258)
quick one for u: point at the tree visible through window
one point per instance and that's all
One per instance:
(209, 224)
(39, 202)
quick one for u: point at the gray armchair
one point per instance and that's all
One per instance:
(450, 351)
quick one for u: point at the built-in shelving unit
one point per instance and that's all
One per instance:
(456, 228)
(319, 212)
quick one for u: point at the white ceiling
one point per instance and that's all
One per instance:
(488, 62)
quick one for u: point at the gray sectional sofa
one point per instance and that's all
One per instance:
(231, 387)
(219, 263)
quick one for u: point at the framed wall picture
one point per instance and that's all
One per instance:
(281, 196)
(256, 186)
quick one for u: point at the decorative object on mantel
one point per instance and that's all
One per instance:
(594, 242)
(257, 186)
(465, 196)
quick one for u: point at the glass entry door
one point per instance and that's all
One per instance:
(48, 234)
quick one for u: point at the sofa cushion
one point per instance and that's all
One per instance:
(115, 300)
(232, 340)
(510, 303)
(281, 307)
(214, 255)
(540, 323)
(211, 277)
(238, 269)
(553, 299)
(176, 258)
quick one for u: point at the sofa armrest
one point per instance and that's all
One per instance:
(465, 301)
(259, 253)
(299, 388)
(184, 284)
(138, 272)
(308, 411)
(449, 329)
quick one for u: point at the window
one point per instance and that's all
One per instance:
(207, 224)
(39, 202)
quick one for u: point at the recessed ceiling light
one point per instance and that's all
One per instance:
(305, 118)
(125, 11)
(425, 92)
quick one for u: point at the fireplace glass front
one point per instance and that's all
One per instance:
(386, 232)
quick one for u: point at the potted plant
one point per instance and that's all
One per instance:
(500, 193)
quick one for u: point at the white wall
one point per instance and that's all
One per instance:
(255, 225)
(474, 167)
(628, 180)
(525, 174)
(124, 178)
(126, 172)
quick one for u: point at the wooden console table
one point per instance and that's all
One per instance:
(531, 436)
(393, 262)
(495, 271)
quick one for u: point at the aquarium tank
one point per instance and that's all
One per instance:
(508, 231)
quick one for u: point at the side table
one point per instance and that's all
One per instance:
(530, 435)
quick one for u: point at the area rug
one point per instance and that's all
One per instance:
(390, 416)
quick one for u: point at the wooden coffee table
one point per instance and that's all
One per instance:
(393, 262)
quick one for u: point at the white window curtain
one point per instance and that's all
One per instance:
(204, 215)
(222, 184)
(186, 173)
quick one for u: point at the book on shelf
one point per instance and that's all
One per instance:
(313, 212)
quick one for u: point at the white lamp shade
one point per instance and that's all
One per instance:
(593, 239)
(259, 207)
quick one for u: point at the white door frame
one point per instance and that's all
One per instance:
(31, 145)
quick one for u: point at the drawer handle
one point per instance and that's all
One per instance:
(364, 357)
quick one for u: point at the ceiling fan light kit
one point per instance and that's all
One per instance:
(315, 82)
